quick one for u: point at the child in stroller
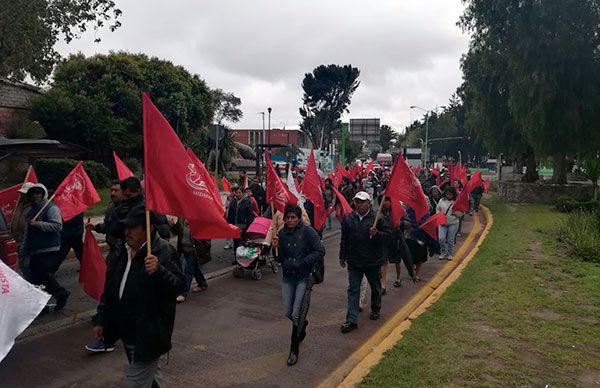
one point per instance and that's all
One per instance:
(254, 252)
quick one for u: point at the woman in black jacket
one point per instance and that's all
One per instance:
(300, 248)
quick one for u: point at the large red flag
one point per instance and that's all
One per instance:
(369, 167)
(92, 273)
(9, 197)
(460, 174)
(462, 203)
(212, 180)
(398, 212)
(76, 193)
(475, 182)
(404, 186)
(226, 185)
(174, 184)
(343, 172)
(343, 208)
(311, 187)
(278, 193)
(123, 172)
(431, 225)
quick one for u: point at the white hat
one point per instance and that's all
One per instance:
(25, 188)
(362, 195)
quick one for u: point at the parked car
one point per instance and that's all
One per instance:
(8, 245)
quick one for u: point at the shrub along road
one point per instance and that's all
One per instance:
(524, 313)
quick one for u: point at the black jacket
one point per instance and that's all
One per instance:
(356, 247)
(240, 212)
(299, 249)
(115, 230)
(145, 314)
(259, 194)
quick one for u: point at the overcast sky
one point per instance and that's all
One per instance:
(408, 51)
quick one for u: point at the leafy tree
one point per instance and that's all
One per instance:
(386, 135)
(96, 102)
(550, 49)
(29, 30)
(227, 107)
(353, 150)
(327, 94)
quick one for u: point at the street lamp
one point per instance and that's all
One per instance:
(263, 120)
(425, 148)
(269, 110)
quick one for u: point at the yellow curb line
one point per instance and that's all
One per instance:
(359, 364)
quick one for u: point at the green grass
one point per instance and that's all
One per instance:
(523, 313)
(99, 208)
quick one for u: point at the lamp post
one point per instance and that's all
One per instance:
(268, 110)
(426, 146)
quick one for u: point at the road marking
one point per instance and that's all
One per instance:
(359, 364)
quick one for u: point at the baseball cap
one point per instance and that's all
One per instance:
(362, 195)
(25, 188)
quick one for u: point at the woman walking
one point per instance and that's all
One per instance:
(447, 233)
(300, 248)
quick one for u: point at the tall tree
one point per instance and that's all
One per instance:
(29, 30)
(551, 52)
(386, 135)
(327, 94)
(227, 106)
(96, 102)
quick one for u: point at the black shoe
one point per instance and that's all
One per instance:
(374, 316)
(61, 301)
(347, 327)
(294, 347)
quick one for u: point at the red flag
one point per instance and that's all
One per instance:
(278, 193)
(343, 208)
(431, 225)
(9, 197)
(76, 193)
(460, 174)
(123, 172)
(475, 182)
(311, 187)
(404, 186)
(226, 185)
(398, 212)
(8, 201)
(369, 167)
(92, 273)
(212, 180)
(175, 184)
(342, 172)
(462, 203)
(486, 186)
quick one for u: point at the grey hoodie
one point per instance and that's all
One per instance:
(52, 224)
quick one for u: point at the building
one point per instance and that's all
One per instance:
(15, 101)
(365, 130)
(251, 137)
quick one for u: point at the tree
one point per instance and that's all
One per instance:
(386, 135)
(550, 49)
(327, 94)
(29, 30)
(591, 167)
(226, 106)
(353, 150)
(96, 102)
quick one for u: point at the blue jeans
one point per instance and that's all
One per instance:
(446, 235)
(192, 270)
(355, 276)
(292, 294)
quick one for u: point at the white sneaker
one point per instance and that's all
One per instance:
(449, 257)
(226, 246)
(180, 299)
(442, 257)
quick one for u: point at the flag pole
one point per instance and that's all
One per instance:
(274, 226)
(43, 207)
(148, 241)
(378, 215)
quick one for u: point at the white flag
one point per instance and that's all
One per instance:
(20, 303)
(291, 184)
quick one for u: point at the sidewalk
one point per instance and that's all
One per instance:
(233, 334)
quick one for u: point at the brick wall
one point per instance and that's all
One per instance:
(15, 99)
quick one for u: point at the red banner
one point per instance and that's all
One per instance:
(278, 193)
(311, 187)
(10, 197)
(226, 185)
(123, 172)
(404, 186)
(76, 193)
(343, 208)
(431, 225)
(92, 273)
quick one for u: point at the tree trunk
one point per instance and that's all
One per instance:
(560, 168)
(531, 175)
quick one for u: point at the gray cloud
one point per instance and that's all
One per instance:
(408, 51)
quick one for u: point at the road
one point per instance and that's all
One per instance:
(234, 334)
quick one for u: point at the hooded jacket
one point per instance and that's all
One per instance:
(356, 246)
(44, 234)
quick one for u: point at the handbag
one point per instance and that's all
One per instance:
(202, 249)
(318, 272)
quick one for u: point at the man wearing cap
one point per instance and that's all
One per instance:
(41, 242)
(138, 302)
(361, 251)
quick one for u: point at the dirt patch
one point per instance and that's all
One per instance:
(548, 315)
(484, 327)
(535, 248)
(589, 378)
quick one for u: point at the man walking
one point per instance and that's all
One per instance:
(138, 302)
(361, 250)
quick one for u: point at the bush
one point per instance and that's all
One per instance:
(51, 172)
(580, 231)
(569, 204)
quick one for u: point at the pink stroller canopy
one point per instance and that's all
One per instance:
(260, 227)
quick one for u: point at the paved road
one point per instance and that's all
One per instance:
(234, 334)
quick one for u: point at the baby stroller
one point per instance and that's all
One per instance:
(254, 253)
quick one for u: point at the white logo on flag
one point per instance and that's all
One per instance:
(195, 181)
(77, 185)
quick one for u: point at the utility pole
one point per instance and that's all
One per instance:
(268, 110)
